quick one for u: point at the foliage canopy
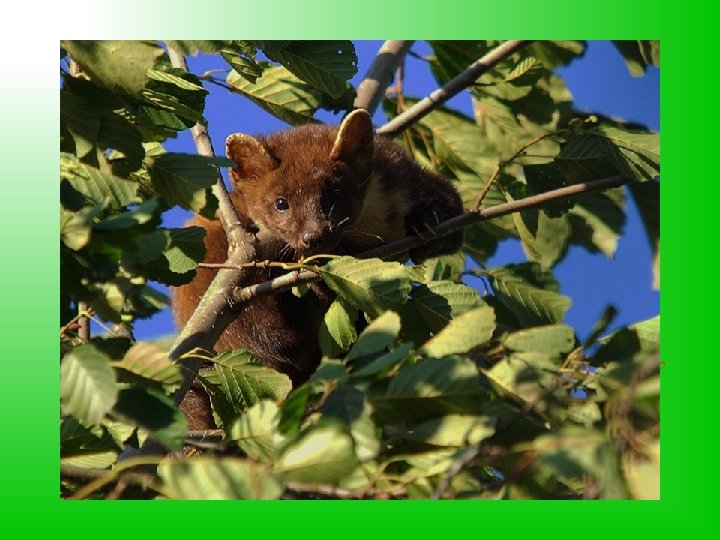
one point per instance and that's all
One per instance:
(447, 392)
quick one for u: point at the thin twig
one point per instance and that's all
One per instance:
(83, 322)
(103, 477)
(486, 188)
(372, 88)
(459, 83)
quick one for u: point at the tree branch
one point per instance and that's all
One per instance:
(372, 88)
(215, 310)
(459, 83)
(293, 279)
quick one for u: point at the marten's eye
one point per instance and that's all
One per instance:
(281, 204)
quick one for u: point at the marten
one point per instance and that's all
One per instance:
(316, 189)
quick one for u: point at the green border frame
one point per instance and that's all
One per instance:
(30, 109)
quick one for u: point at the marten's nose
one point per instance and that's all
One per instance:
(311, 239)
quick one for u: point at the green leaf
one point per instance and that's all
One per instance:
(167, 255)
(120, 66)
(529, 293)
(280, 93)
(192, 47)
(556, 53)
(173, 77)
(463, 333)
(383, 364)
(87, 384)
(238, 382)
(212, 478)
(293, 409)
(76, 227)
(337, 331)
(185, 249)
(172, 104)
(639, 55)
(573, 452)
(598, 220)
(444, 267)
(154, 412)
(376, 337)
(453, 430)
(149, 362)
(117, 133)
(551, 238)
(452, 57)
(350, 406)
(326, 65)
(139, 215)
(256, 431)
(99, 186)
(638, 339)
(438, 302)
(92, 460)
(526, 376)
(368, 284)
(82, 121)
(551, 340)
(635, 154)
(599, 153)
(242, 60)
(643, 475)
(430, 388)
(647, 199)
(322, 454)
(185, 179)
(457, 140)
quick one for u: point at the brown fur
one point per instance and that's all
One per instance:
(316, 189)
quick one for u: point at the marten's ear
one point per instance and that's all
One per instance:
(354, 139)
(252, 158)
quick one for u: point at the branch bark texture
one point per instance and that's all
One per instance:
(459, 83)
(372, 89)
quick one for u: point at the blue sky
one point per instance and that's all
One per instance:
(599, 82)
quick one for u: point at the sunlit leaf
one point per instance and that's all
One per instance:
(185, 179)
(368, 284)
(551, 340)
(322, 454)
(147, 361)
(238, 382)
(377, 336)
(529, 293)
(256, 431)
(280, 93)
(463, 333)
(224, 478)
(118, 65)
(87, 384)
(453, 430)
(431, 387)
(337, 331)
(326, 65)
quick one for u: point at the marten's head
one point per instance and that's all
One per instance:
(303, 186)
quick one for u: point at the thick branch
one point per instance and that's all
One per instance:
(293, 279)
(372, 89)
(215, 310)
(459, 83)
